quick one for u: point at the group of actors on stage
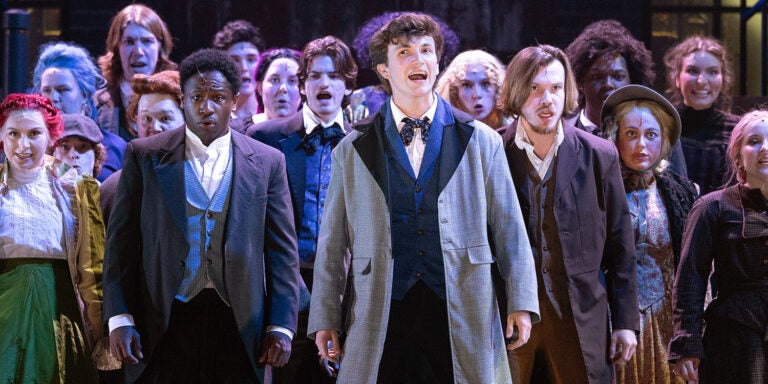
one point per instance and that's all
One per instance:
(250, 216)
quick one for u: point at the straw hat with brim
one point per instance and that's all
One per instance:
(638, 92)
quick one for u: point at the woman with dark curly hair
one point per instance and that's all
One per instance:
(699, 81)
(51, 250)
(645, 127)
(605, 57)
(138, 41)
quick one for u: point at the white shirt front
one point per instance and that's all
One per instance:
(416, 149)
(524, 142)
(208, 162)
(311, 120)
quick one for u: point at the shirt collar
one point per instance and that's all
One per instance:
(311, 120)
(524, 142)
(586, 122)
(398, 114)
(196, 148)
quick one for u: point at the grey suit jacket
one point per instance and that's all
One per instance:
(477, 202)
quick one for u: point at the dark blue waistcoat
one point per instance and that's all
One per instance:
(415, 229)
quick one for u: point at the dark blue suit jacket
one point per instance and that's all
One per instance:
(285, 135)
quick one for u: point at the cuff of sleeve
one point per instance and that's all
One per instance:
(284, 331)
(123, 320)
(685, 346)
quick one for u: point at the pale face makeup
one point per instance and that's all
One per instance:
(639, 139)
(476, 92)
(59, 85)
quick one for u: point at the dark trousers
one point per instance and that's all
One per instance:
(553, 353)
(304, 364)
(735, 354)
(201, 345)
(417, 348)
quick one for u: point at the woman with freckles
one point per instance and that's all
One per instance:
(472, 83)
(51, 249)
(645, 126)
(727, 235)
(699, 81)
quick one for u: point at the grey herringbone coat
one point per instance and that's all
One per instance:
(477, 203)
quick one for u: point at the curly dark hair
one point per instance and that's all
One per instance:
(363, 38)
(209, 59)
(609, 37)
(237, 31)
(402, 28)
(339, 53)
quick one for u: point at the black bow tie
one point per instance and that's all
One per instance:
(320, 136)
(406, 134)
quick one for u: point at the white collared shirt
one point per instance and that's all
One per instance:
(523, 142)
(311, 120)
(416, 149)
(209, 162)
(586, 122)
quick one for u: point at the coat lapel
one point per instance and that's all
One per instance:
(372, 146)
(169, 169)
(455, 138)
(518, 165)
(246, 175)
(393, 140)
(435, 141)
(566, 169)
(295, 160)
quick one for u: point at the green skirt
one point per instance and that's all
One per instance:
(41, 331)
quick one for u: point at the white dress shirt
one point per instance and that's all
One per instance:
(523, 142)
(311, 120)
(416, 149)
(209, 164)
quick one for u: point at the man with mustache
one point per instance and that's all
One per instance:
(201, 266)
(572, 196)
(419, 208)
(327, 74)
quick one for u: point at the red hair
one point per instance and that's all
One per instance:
(21, 102)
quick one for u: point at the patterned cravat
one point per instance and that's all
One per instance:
(406, 134)
(320, 136)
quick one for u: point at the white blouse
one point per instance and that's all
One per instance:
(31, 222)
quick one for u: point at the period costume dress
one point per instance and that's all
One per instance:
(658, 207)
(50, 277)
